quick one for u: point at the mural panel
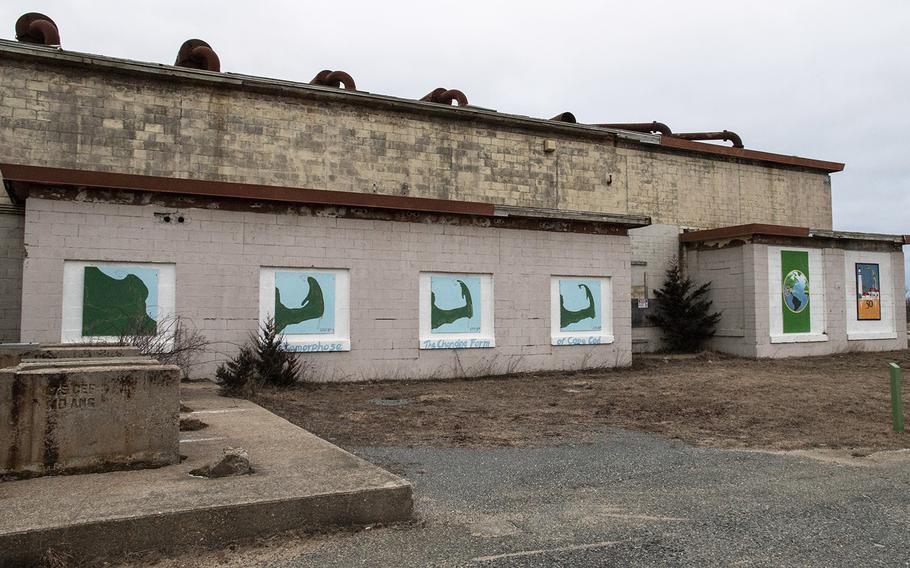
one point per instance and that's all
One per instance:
(105, 301)
(310, 307)
(456, 311)
(452, 304)
(581, 310)
(304, 303)
(795, 289)
(868, 292)
(119, 300)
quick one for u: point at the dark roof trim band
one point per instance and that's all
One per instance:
(110, 180)
(180, 186)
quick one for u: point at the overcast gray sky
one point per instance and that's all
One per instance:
(822, 79)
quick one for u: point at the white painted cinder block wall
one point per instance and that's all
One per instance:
(218, 255)
(723, 266)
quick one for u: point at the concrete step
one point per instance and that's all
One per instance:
(300, 482)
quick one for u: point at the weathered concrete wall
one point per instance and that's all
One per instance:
(218, 255)
(94, 119)
(12, 226)
(747, 303)
(732, 274)
(654, 249)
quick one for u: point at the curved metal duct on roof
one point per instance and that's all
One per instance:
(655, 126)
(723, 135)
(565, 117)
(336, 79)
(446, 97)
(197, 54)
(37, 28)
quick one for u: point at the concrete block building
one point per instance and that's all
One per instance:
(389, 237)
(793, 291)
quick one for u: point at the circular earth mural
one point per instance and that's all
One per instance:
(796, 291)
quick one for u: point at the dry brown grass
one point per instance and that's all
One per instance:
(839, 401)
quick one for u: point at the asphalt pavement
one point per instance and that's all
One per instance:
(633, 499)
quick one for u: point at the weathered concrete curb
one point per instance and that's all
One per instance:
(208, 527)
(300, 483)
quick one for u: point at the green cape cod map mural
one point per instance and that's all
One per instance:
(304, 303)
(119, 300)
(579, 305)
(579, 316)
(452, 304)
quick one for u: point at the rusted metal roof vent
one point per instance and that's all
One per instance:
(37, 28)
(655, 126)
(197, 54)
(565, 117)
(446, 97)
(722, 135)
(336, 79)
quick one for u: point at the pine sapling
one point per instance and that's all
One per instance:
(275, 365)
(683, 312)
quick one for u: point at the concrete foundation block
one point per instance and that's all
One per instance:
(83, 351)
(89, 415)
(11, 354)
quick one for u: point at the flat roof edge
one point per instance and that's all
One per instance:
(630, 221)
(745, 153)
(753, 229)
(24, 51)
(855, 236)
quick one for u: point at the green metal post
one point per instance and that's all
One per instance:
(897, 407)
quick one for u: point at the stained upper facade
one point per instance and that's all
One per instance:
(60, 109)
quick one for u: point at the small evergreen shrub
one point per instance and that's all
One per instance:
(684, 314)
(274, 365)
(262, 361)
(238, 375)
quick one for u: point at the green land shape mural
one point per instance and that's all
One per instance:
(311, 308)
(112, 307)
(574, 320)
(459, 315)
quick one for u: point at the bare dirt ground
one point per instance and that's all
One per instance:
(839, 401)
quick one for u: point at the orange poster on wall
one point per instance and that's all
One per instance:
(868, 292)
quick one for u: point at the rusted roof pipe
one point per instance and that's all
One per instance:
(197, 54)
(565, 117)
(37, 28)
(723, 135)
(445, 97)
(328, 78)
(641, 127)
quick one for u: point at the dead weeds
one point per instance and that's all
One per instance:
(839, 401)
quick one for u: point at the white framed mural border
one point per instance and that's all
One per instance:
(814, 314)
(456, 310)
(581, 310)
(885, 326)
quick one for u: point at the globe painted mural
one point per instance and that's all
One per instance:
(796, 291)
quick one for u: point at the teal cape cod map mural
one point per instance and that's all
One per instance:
(579, 305)
(455, 304)
(304, 303)
(119, 300)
